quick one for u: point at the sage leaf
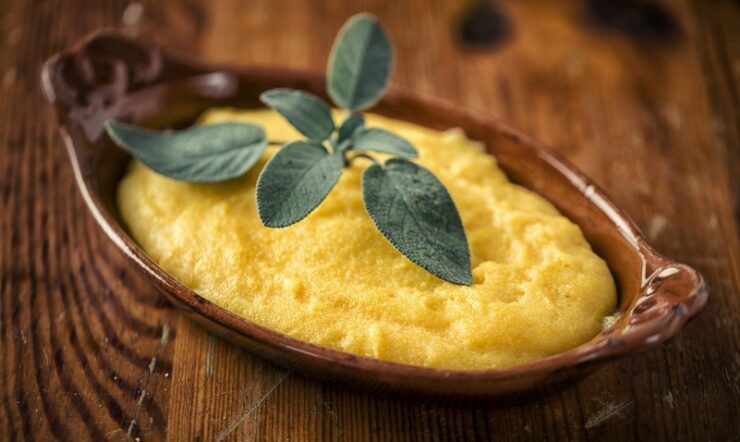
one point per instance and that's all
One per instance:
(349, 126)
(360, 63)
(295, 181)
(306, 112)
(379, 140)
(208, 153)
(414, 211)
(343, 146)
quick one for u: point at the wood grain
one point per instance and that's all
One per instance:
(88, 351)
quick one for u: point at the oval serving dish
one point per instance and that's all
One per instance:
(109, 75)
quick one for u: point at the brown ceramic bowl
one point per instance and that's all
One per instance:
(109, 75)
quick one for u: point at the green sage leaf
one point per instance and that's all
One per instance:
(295, 181)
(360, 63)
(208, 153)
(379, 140)
(349, 126)
(414, 211)
(343, 146)
(306, 112)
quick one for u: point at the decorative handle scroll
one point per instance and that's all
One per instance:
(98, 73)
(671, 295)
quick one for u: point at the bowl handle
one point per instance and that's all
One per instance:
(671, 294)
(104, 67)
(99, 70)
(87, 84)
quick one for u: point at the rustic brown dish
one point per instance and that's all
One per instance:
(109, 75)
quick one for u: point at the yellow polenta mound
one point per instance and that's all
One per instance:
(334, 280)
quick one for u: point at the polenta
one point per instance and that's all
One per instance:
(334, 280)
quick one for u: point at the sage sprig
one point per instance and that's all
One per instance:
(406, 202)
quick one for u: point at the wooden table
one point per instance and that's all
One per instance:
(645, 101)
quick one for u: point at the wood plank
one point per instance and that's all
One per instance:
(654, 118)
(85, 345)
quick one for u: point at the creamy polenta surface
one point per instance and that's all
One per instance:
(334, 280)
